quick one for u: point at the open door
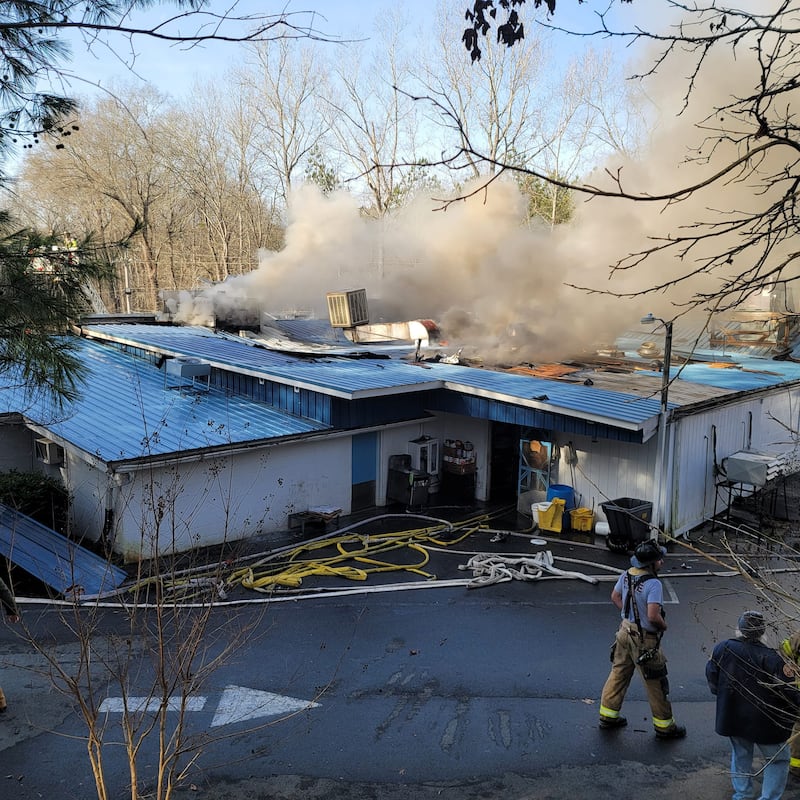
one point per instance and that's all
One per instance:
(364, 470)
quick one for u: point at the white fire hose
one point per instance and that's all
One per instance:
(488, 568)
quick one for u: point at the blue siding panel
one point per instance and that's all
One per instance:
(482, 408)
(364, 450)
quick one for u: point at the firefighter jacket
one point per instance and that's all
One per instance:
(756, 696)
(791, 649)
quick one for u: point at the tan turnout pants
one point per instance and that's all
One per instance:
(628, 644)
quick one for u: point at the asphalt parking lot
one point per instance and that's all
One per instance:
(442, 680)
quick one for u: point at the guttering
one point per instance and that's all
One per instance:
(688, 409)
(199, 454)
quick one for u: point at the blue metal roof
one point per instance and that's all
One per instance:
(127, 409)
(312, 330)
(55, 560)
(365, 377)
(353, 378)
(743, 374)
(558, 395)
(344, 377)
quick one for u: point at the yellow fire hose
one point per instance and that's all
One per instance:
(356, 555)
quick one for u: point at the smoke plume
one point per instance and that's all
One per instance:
(502, 288)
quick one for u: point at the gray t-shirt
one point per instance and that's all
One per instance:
(646, 591)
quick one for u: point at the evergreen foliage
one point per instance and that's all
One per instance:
(37, 495)
(42, 292)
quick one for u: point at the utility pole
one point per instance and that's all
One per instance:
(659, 515)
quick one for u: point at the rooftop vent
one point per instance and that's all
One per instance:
(188, 368)
(348, 309)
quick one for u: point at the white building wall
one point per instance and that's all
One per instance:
(395, 439)
(18, 452)
(207, 502)
(181, 506)
(477, 431)
(16, 448)
(609, 470)
(88, 486)
(761, 424)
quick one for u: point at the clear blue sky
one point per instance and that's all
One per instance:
(174, 68)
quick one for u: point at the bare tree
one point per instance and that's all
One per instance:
(146, 673)
(213, 169)
(34, 49)
(495, 100)
(588, 114)
(143, 653)
(281, 85)
(180, 179)
(121, 158)
(374, 126)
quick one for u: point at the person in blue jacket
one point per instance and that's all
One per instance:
(757, 704)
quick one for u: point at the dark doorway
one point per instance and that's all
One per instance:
(365, 470)
(504, 463)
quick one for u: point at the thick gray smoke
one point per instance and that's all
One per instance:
(494, 283)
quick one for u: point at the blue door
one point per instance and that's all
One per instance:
(365, 470)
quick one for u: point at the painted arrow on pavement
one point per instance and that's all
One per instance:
(237, 704)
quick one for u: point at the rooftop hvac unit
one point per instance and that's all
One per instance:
(348, 309)
(49, 452)
(188, 368)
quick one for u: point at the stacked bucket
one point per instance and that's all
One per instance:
(560, 500)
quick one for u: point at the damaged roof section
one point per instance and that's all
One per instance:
(129, 411)
(356, 379)
(63, 565)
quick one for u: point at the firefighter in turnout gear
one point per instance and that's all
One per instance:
(790, 650)
(638, 594)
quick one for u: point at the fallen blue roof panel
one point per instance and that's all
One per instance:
(59, 562)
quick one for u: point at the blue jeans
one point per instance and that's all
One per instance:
(774, 773)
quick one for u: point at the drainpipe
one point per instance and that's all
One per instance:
(108, 534)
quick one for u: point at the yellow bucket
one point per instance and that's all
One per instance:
(551, 514)
(581, 519)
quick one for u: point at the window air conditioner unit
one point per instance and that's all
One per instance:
(348, 309)
(49, 452)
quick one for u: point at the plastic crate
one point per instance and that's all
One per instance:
(628, 519)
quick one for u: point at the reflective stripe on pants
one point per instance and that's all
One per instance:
(628, 646)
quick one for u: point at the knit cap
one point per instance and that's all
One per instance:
(751, 625)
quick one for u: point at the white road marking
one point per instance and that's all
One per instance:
(238, 703)
(138, 705)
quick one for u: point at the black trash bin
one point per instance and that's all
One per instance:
(628, 523)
